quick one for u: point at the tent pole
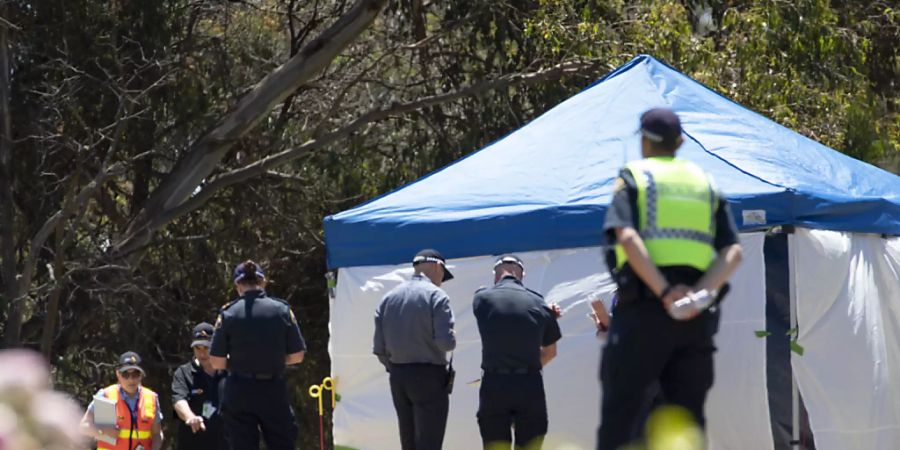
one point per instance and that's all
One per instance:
(795, 394)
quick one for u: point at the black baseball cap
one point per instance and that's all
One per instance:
(202, 335)
(661, 125)
(433, 256)
(128, 361)
(509, 259)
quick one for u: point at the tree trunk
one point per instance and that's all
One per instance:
(11, 302)
(50, 318)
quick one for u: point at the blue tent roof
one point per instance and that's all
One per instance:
(547, 185)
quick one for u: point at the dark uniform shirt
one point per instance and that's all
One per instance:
(514, 323)
(256, 332)
(623, 212)
(201, 391)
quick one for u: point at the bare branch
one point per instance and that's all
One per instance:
(261, 166)
(209, 150)
(14, 319)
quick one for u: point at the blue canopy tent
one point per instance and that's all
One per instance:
(547, 185)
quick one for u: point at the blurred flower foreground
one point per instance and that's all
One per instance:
(32, 415)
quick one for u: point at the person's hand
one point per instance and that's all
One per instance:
(555, 309)
(112, 432)
(196, 424)
(676, 293)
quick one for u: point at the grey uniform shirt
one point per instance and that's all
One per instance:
(414, 324)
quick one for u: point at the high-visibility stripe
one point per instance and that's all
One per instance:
(677, 233)
(112, 392)
(653, 231)
(125, 434)
(149, 407)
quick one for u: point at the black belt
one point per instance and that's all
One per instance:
(511, 371)
(256, 376)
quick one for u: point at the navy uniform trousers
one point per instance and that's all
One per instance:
(420, 397)
(646, 345)
(250, 405)
(512, 400)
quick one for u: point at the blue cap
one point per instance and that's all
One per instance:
(661, 125)
(202, 334)
(243, 272)
(129, 361)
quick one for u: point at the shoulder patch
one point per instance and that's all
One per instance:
(218, 321)
(227, 305)
(293, 317)
(619, 184)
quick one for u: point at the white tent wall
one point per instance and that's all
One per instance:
(737, 408)
(364, 418)
(847, 294)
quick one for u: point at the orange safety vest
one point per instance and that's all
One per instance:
(142, 431)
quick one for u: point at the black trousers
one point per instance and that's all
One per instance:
(512, 400)
(211, 439)
(421, 400)
(646, 346)
(250, 406)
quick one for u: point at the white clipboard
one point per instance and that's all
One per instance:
(105, 416)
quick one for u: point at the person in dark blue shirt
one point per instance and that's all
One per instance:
(518, 338)
(195, 396)
(255, 337)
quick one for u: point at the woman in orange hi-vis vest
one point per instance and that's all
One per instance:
(137, 415)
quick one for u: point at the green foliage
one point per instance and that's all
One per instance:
(826, 70)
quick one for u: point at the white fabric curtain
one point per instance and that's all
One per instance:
(847, 292)
(737, 409)
(365, 418)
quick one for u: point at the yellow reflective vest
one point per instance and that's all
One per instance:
(676, 205)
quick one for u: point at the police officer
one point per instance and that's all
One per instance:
(673, 235)
(413, 333)
(256, 336)
(195, 396)
(518, 337)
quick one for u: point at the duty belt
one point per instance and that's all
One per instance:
(256, 376)
(511, 371)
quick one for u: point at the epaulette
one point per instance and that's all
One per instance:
(535, 293)
(225, 306)
(480, 289)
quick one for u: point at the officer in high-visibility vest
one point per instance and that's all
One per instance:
(673, 236)
(138, 417)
